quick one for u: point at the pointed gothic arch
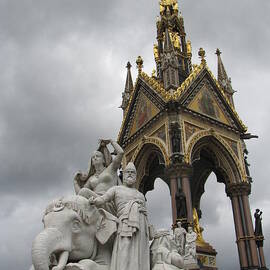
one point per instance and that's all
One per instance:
(210, 155)
(208, 152)
(220, 149)
(150, 159)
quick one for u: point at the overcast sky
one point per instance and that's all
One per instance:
(62, 72)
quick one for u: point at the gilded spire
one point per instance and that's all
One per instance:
(128, 88)
(168, 5)
(168, 46)
(223, 78)
(171, 37)
(169, 64)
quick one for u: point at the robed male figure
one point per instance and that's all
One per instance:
(131, 246)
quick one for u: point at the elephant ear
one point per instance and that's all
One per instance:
(106, 227)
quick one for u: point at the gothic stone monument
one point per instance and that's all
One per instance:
(179, 124)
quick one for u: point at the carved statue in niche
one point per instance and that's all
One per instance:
(131, 247)
(175, 137)
(181, 206)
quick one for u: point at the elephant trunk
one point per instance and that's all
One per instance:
(47, 242)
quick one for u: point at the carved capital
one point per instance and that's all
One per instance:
(175, 170)
(238, 189)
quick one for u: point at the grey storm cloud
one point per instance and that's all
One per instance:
(62, 72)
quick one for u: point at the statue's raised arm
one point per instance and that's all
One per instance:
(102, 173)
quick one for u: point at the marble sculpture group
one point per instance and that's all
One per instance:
(104, 226)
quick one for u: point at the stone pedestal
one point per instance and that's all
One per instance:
(189, 266)
(206, 255)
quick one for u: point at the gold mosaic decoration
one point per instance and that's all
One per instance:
(174, 96)
(205, 103)
(145, 111)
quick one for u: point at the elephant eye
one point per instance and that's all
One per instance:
(76, 225)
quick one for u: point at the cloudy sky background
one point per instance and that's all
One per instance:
(62, 72)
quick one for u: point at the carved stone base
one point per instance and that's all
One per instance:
(192, 266)
(206, 255)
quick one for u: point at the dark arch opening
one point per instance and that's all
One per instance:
(150, 162)
(208, 156)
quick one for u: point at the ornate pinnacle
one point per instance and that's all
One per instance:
(139, 63)
(128, 65)
(218, 52)
(201, 54)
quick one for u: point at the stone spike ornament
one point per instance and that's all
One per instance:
(223, 79)
(128, 89)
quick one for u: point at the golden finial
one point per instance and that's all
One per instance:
(139, 63)
(167, 3)
(153, 73)
(201, 54)
(189, 48)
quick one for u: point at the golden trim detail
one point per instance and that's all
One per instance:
(167, 96)
(152, 140)
(200, 134)
(227, 100)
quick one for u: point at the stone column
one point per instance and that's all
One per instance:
(262, 259)
(250, 229)
(239, 232)
(173, 185)
(183, 171)
(248, 255)
(172, 172)
(186, 173)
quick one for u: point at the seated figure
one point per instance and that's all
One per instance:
(102, 174)
(164, 253)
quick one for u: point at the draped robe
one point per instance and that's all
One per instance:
(131, 245)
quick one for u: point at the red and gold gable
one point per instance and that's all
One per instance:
(206, 103)
(145, 111)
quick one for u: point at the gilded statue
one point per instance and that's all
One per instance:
(156, 54)
(189, 48)
(197, 228)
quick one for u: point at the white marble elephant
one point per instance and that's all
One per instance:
(76, 235)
